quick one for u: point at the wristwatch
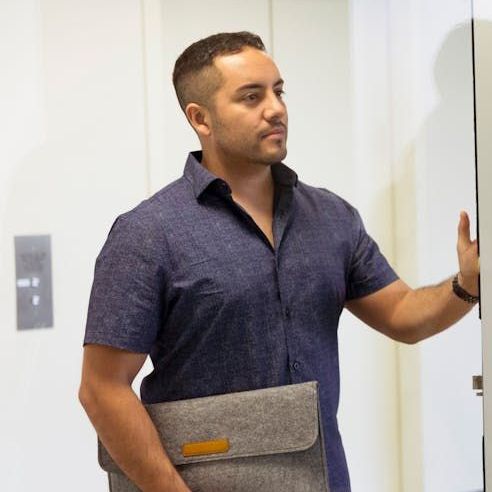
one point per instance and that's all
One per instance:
(462, 293)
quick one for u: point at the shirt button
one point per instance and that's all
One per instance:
(296, 365)
(287, 313)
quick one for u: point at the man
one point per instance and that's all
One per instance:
(234, 276)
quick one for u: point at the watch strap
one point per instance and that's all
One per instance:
(462, 293)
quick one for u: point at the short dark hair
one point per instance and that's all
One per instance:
(195, 77)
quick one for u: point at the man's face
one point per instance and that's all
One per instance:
(247, 107)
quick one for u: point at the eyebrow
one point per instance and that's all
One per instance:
(257, 86)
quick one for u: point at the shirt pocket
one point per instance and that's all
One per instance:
(198, 279)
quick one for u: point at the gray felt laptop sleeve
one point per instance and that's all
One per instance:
(262, 440)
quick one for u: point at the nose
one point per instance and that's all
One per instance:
(275, 108)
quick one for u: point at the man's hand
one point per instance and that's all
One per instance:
(468, 259)
(411, 315)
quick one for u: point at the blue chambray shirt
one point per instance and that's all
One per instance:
(188, 277)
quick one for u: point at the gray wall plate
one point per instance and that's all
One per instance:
(33, 282)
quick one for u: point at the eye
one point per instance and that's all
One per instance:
(280, 93)
(250, 97)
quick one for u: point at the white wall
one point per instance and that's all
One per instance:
(72, 156)
(92, 127)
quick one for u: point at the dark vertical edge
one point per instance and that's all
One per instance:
(475, 140)
(483, 463)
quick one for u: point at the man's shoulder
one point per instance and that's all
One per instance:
(162, 203)
(143, 230)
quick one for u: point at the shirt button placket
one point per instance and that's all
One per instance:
(277, 280)
(286, 314)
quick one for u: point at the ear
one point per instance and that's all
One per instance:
(199, 119)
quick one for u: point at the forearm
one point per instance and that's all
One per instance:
(125, 429)
(429, 310)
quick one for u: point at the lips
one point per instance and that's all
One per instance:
(278, 131)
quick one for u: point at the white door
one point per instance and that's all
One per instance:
(482, 27)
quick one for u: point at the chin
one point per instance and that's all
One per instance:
(268, 157)
(281, 155)
(271, 157)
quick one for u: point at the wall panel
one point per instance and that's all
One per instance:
(75, 158)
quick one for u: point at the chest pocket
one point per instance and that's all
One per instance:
(200, 278)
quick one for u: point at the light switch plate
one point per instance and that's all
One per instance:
(33, 282)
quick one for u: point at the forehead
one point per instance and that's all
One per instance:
(248, 66)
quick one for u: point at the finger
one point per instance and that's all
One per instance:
(464, 239)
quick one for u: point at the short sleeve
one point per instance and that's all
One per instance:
(369, 271)
(125, 302)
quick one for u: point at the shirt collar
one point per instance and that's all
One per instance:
(283, 174)
(201, 178)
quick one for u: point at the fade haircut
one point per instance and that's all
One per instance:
(195, 77)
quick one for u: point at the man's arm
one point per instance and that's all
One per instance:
(411, 315)
(121, 421)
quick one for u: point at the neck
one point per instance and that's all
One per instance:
(249, 181)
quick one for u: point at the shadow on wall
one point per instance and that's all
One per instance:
(440, 160)
(434, 179)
